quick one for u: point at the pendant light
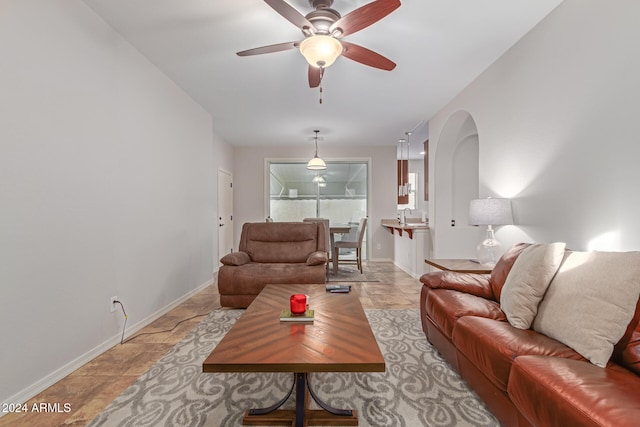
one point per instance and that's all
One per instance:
(319, 179)
(401, 185)
(316, 164)
(407, 186)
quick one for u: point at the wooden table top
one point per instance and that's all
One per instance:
(459, 265)
(339, 228)
(339, 339)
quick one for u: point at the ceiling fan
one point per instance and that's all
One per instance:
(323, 29)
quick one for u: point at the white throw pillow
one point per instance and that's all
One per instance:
(527, 282)
(591, 301)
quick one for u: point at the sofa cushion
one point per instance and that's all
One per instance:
(251, 278)
(445, 307)
(492, 345)
(503, 267)
(527, 282)
(591, 301)
(552, 391)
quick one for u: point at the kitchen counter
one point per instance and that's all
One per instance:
(411, 244)
(409, 227)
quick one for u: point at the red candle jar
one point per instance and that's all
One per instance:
(298, 304)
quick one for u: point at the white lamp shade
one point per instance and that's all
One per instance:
(321, 50)
(490, 211)
(316, 164)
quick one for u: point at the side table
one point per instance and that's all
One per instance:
(459, 266)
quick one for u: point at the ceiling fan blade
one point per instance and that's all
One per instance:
(367, 57)
(269, 49)
(315, 76)
(364, 16)
(289, 13)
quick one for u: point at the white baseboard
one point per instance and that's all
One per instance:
(412, 274)
(46, 382)
(380, 260)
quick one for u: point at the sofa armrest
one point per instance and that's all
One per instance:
(317, 258)
(474, 284)
(235, 258)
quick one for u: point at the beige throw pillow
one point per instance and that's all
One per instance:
(590, 302)
(528, 281)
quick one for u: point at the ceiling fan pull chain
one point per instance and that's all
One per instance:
(320, 85)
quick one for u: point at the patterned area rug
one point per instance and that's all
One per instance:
(350, 273)
(418, 388)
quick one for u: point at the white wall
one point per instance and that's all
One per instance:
(222, 160)
(557, 119)
(249, 186)
(107, 187)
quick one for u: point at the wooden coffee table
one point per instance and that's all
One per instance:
(339, 340)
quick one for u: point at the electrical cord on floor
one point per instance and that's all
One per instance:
(122, 341)
(125, 319)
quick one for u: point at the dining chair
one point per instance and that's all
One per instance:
(350, 244)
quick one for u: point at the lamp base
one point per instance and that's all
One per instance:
(489, 249)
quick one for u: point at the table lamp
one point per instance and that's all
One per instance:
(490, 212)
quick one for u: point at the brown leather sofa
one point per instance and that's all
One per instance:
(525, 377)
(272, 253)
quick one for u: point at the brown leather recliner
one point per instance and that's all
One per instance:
(272, 253)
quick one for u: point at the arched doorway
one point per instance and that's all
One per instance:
(456, 183)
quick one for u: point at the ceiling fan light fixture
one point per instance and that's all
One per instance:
(321, 50)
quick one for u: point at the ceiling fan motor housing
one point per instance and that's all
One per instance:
(320, 4)
(322, 19)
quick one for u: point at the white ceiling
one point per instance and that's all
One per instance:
(439, 47)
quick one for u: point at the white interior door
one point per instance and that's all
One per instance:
(225, 213)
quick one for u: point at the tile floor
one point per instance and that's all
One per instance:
(93, 386)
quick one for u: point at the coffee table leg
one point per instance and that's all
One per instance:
(263, 411)
(301, 407)
(302, 415)
(324, 405)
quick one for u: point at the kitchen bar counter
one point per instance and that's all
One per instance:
(409, 227)
(411, 244)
